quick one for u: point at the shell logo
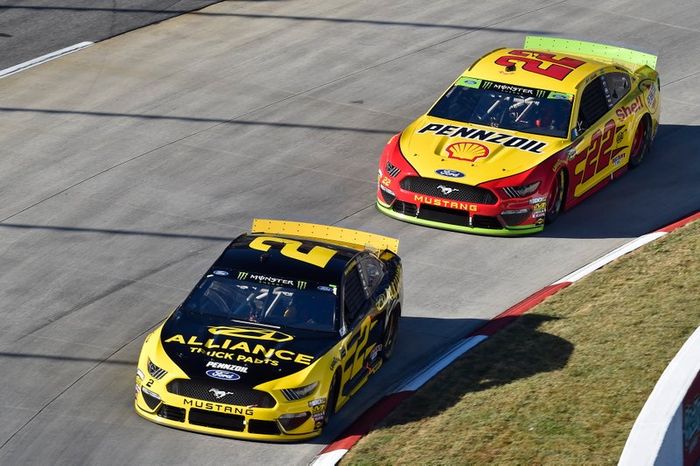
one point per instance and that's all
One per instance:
(467, 151)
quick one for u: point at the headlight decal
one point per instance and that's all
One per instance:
(293, 394)
(155, 371)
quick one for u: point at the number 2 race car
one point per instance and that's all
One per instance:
(522, 135)
(286, 325)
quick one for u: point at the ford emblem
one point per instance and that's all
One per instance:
(222, 375)
(449, 173)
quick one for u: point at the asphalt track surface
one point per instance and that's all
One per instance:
(31, 28)
(126, 168)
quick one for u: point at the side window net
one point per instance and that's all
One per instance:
(593, 104)
(354, 295)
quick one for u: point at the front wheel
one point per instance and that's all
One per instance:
(640, 144)
(555, 197)
(332, 399)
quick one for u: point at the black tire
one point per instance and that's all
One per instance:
(640, 143)
(389, 338)
(555, 197)
(332, 399)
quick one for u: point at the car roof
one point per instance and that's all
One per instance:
(487, 68)
(240, 256)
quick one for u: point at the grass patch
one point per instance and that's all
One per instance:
(564, 383)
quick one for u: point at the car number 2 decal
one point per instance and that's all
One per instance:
(318, 255)
(541, 63)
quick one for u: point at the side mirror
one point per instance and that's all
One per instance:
(574, 133)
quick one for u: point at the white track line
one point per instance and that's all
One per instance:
(43, 59)
(611, 256)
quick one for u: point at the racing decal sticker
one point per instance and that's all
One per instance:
(318, 255)
(520, 91)
(228, 367)
(650, 87)
(423, 199)
(219, 394)
(449, 173)
(542, 63)
(596, 157)
(209, 406)
(222, 375)
(251, 333)
(627, 110)
(466, 151)
(390, 295)
(465, 132)
(240, 351)
(447, 190)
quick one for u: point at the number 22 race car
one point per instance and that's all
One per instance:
(279, 333)
(522, 135)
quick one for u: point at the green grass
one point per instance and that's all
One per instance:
(564, 383)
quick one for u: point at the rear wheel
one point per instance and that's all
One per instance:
(389, 338)
(640, 143)
(555, 197)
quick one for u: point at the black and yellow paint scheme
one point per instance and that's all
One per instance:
(286, 325)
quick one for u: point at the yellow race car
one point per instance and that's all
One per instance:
(286, 325)
(522, 135)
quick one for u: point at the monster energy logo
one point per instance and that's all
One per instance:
(508, 88)
(242, 275)
(301, 284)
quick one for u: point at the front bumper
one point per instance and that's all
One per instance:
(493, 231)
(215, 418)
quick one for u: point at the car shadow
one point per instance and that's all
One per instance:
(524, 352)
(660, 191)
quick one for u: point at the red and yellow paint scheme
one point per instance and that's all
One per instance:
(520, 136)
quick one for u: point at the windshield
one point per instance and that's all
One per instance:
(500, 105)
(263, 299)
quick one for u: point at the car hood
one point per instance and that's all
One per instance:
(479, 153)
(245, 354)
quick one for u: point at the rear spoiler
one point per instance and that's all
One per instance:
(325, 232)
(553, 44)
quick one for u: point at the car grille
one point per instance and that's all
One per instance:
(443, 215)
(485, 221)
(515, 219)
(171, 412)
(256, 426)
(460, 192)
(204, 390)
(405, 208)
(204, 418)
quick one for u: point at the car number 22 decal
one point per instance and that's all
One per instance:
(596, 157)
(541, 63)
